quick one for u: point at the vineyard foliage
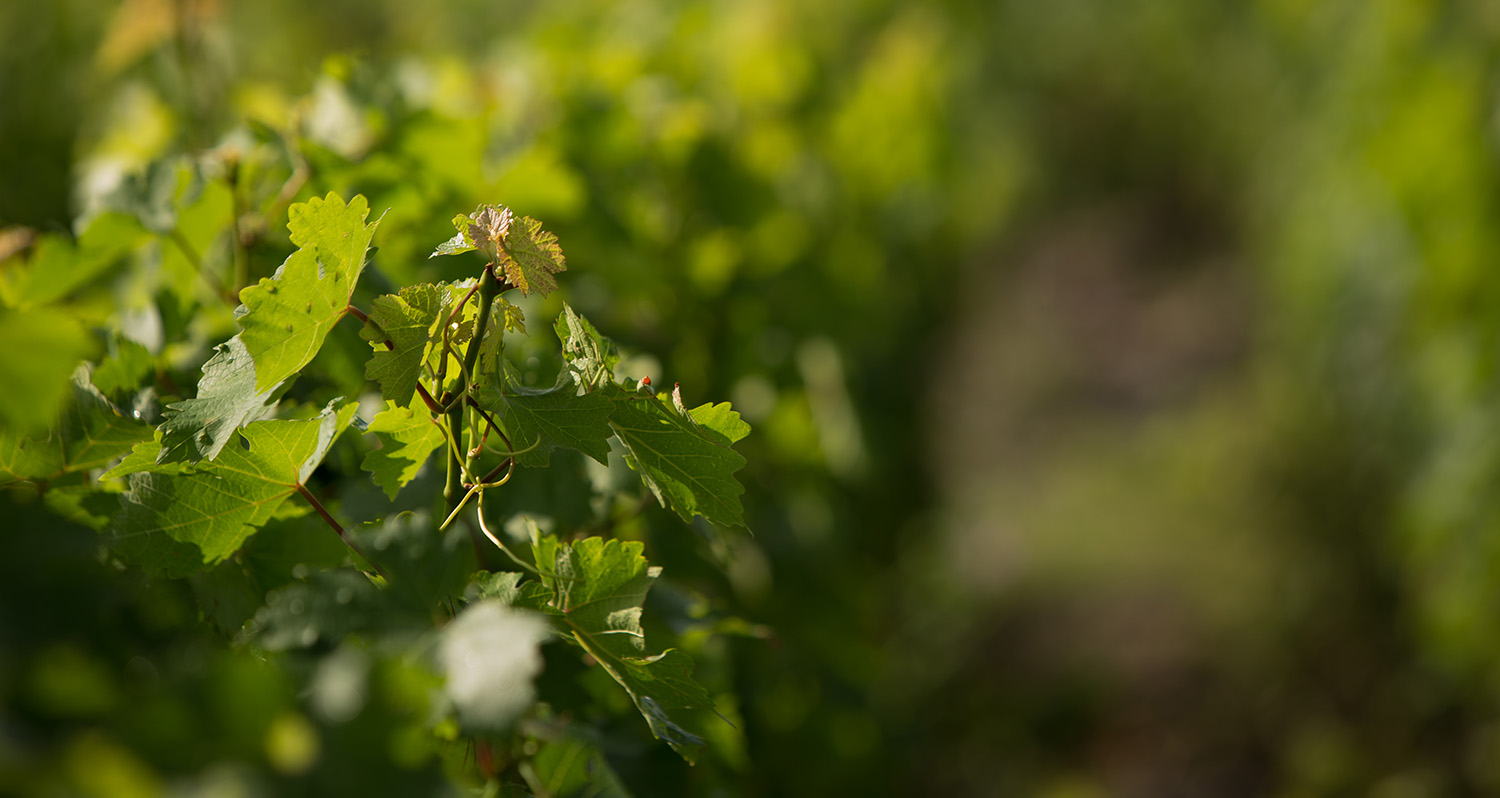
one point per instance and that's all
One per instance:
(198, 477)
(388, 392)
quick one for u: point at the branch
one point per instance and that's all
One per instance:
(348, 541)
(432, 405)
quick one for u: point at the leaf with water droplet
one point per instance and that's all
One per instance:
(182, 517)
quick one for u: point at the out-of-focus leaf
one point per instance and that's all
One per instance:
(508, 588)
(89, 432)
(571, 767)
(42, 347)
(124, 369)
(60, 267)
(329, 606)
(427, 567)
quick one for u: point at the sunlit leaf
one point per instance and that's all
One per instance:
(407, 440)
(227, 400)
(530, 257)
(288, 316)
(589, 354)
(178, 519)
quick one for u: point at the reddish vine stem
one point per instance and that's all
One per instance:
(491, 421)
(337, 527)
(431, 403)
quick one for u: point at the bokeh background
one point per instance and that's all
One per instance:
(1124, 374)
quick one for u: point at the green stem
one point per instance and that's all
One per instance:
(489, 288)
(337, 527)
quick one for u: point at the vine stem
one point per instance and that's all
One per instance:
(337, 527)
(431, 403)
(489, 288)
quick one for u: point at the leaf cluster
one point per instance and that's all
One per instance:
(200, 488)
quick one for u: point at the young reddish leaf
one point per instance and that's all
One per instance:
(530, 257)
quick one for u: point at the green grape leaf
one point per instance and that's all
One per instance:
(89, 433)
(125, 369)
(177, 519)
(588, 354)
(554, 417)
(410, 325)
(507, 587)
(425, 566)
(283, 323)
(60, 267)
(407, 439)
(152, 196)
(687, 465)
(460, 242)
(571, 766)
(329, 606)
(287, 316)
(530, 256)
(405, 322)
(722, 420)
(515, 320)
(227, 399)
(599, 586)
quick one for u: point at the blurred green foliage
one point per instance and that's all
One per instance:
(1120, 373)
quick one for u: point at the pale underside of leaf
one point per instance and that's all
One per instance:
(199, 428)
